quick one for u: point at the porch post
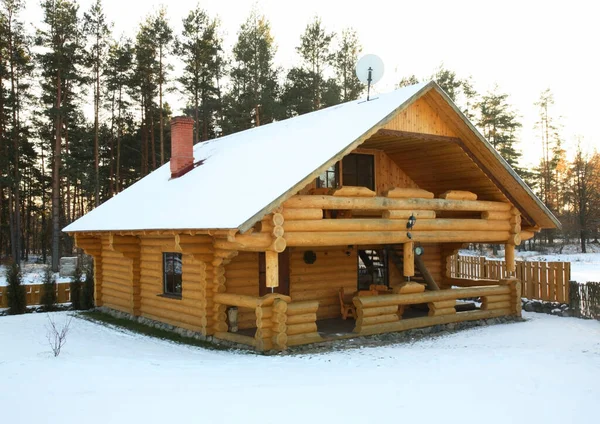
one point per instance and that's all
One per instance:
(409, 259)
(509, 257)
(272, 268)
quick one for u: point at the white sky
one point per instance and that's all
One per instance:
(523, 46)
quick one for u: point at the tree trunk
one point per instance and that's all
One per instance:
(96, 130)
(56, 179)
(162, 142)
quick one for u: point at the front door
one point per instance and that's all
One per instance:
(284, 274)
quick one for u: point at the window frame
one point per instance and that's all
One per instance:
(172, 257)
(357, 169)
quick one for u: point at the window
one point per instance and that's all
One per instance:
(358, 170)
(172, 273)
(329, 178)
(372, 268)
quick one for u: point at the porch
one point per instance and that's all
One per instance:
(281, 322)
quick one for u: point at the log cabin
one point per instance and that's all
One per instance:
(332, 224)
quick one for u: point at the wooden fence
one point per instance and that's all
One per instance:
(34, 294)
(585, 299)
(547, 281)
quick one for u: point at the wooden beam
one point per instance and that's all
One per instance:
(272, 268)
(409, 259)
(417, 136)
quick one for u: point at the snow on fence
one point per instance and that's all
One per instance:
(585, 299)
(34, 294)
(547, 281)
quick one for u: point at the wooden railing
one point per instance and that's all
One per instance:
(382, 314)
(34, 294)
(548, 281)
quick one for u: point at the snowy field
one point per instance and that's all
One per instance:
(544, 370)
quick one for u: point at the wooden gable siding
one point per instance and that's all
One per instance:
(387, 173)
(117, 279)
(189, 311)
(322, 280)
(241, 276)
(420, 117)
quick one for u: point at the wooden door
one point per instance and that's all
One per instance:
(284, 274)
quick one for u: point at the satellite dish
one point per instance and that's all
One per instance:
(369, 70)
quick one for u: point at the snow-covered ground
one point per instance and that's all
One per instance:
(544, 370)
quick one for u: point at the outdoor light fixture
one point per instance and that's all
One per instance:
(409, 224)
(419, 250)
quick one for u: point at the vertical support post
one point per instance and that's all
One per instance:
(509, 257)
(272, 268)
(409, 259)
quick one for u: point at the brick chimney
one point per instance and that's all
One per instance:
(182, 143)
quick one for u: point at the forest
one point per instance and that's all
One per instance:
(58, 160)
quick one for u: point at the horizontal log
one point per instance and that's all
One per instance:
(395, 214)
(377, 319)
(497, 305)
(442, 311)
(407, 193)
(458, 195)
(526, 235)
(407, 324)
(496, 299)
(231, 299)
(301, 214)
(300, 308)
(352, 191)
(302, 318)
(189, 323)
(301, 339)
(428, 297)
(464, 282)
(383, 203)
(174, 305)
(382, 310)
(334, 225)
(309, 327)
(384, 237)
(443, 304)
(235, 338)
(498, 216)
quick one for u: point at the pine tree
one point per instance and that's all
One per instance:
(164, 38)
(406, 81)
(448, 81)
(201, 52)
(59, 58)
(97, 29)
(253, 99)
(345, 59)
(499, 125)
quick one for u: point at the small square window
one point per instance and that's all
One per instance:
(172, 267)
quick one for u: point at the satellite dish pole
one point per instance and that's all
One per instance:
(369, 70)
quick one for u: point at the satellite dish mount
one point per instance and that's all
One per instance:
(369, 70)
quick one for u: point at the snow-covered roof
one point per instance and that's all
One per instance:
(242, 173)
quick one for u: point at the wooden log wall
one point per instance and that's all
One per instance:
(116, 278)
(302, 323)
(242, 278)
(189, 312)
(322, 280)
(381, 314)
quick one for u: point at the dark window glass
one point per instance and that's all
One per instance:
(172, 268)
(372, 268)
(329, 178)
(358, 170)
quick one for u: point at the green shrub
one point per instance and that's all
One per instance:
(75, 288)
(88, 289)
(17, 299)
(48, 300)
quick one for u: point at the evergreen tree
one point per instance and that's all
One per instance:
(97, 30)
(448, 81)
(499, 125)
(406, 81)
(118, 83)
(253, 98)
(75, 289)
(201, 52)
(60, 56)
(164, 38)
(88, 289)
(17, 298)
(48, 300)
(345, 64)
